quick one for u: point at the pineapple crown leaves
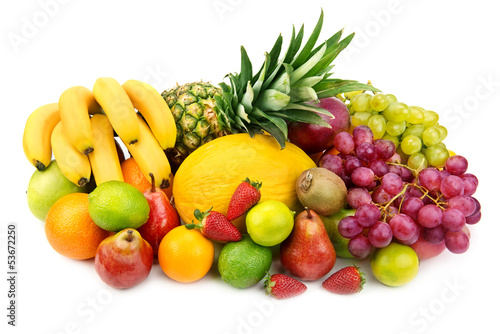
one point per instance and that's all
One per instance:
(283, 88)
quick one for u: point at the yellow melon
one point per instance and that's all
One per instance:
(209, 175)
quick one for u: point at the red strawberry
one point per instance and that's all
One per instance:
(346, 281)
(281, 286)
(246, 195)
(214, 225)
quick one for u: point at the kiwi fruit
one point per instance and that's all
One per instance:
(321, 190)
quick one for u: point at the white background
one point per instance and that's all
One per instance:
(441, 55)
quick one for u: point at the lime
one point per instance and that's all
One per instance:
(116, 205)
(269, 222)
(244, 263)
(395, 264)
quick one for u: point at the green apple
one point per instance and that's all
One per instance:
(46, 187)
(331, 224)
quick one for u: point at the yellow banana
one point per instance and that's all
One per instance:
(118, 107)
(155, 110)
(75, 105)
(36, 137)
(150, 156)
(72, 163)
(104, 159)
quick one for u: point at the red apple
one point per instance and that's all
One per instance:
(316, 138)
(162, 217)
(425, 250)
(124, 259)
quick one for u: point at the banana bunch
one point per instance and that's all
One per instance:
(80, 131)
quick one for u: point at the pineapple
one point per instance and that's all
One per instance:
(265, 101)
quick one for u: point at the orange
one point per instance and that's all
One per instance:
(133, 175)
(185, 255)
(70, 230)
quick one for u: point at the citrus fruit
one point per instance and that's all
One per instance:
(269, 222)
(116, 205)
(70, 230)
(185, 255)
(395, 264)
(133, 175)
(244, 263)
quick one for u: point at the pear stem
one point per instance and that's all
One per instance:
(308, 212)
(129, 235)
(153, 188)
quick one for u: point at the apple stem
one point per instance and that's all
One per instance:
(153, 188)
(129, 235)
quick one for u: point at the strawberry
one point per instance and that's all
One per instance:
(214, 225)
(281, 286)
(346, 281)
(246, 195)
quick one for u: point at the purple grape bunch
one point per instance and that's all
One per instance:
(396, 203)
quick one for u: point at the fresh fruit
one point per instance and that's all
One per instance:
(155, 111)
(37, 133)
(345, 281)
(104, 159)
(118, 107)
(281, 286)
(321, 191)
(74, 165)
(185, 255)
(116, 205)
(308, 253)
(331, 225)
(162, 217)
(76, 104)
(244, 263)
(269, 222)
(133, 175)
(394, 265)
(149, 155)
(46, 187)
(70, 230)
(314, 138)
(277, 93)
(425, 250)
(245, 196)
(124, 259)
(214, 225)
(209, 176)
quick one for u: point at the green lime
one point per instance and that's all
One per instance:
(244, 263)
(395, 264)
(116, 205)
(269, 222)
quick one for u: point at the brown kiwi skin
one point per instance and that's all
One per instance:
(321, 190)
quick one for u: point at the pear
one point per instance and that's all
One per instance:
(308, 252)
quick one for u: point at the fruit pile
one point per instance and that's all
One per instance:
(286, 159)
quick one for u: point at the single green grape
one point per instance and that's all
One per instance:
(361, 102)
(394, 139)
(431, 118)
(411, 144)
(415, 130)
(417, 161)
(379, 102)
(360, 118)
(391, 98)
(350, 95)
(397, 112)
(417, 115)
(395, 128)
(377, 124)
(443, 131)
(431, 136)
(437, 155)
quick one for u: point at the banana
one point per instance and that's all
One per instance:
(73, 164)
(152, 106)
(118, 107)
(36, 137)
(104, 159)
(75, 105)
(150, 156)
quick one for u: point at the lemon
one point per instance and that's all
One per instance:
(244, 263)
(116, 205)
(395, 264)
(269, 222)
